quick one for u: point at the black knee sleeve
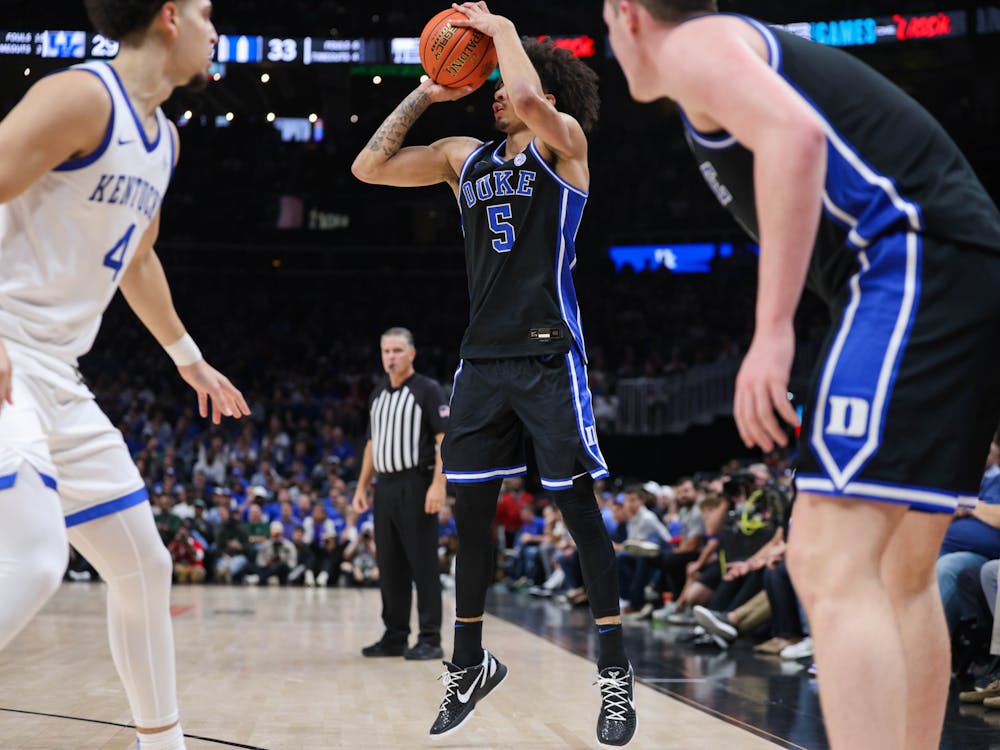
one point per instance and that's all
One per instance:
(475, 511)
(597, 557)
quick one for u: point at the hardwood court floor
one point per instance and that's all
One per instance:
(280, 669)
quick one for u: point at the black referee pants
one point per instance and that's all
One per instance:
(406, 541)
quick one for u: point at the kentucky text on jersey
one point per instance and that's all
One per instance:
(500, 183)
(128, 191)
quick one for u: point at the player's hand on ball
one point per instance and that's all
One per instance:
(438, 93)
(478, 17)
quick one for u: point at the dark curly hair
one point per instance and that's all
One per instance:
(567, 78)
(672, 11)
(119, 19)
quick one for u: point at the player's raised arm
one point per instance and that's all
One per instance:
(557, 130)
(62, 117)
(383, 161)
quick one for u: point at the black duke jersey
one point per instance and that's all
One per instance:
(890, 166)
(520, 220)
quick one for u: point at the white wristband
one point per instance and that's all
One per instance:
(184, 351)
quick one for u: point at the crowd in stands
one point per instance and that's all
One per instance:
(707, 554)
(266, 500)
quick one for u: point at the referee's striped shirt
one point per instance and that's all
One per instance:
(402, 423)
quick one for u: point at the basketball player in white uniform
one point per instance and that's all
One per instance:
(85, 159)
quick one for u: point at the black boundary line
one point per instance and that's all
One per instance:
(127, 726)
(762, 733)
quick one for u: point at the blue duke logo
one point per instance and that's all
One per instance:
(848, 416)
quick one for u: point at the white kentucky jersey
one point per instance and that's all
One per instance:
(66, 241)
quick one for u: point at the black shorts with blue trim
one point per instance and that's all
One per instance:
(906, 394)
(497, 402)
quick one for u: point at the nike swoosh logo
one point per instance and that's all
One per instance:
(123, 142)
(464, 697)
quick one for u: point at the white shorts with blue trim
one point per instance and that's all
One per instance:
(55, 427)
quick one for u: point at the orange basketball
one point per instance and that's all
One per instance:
(455, 56)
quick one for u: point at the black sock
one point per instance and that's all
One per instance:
(611, 647)
(468, 644)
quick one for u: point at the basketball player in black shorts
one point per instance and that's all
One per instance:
(850, 186)
(523, 358)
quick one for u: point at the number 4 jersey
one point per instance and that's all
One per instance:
(66, 241)
(520, 220)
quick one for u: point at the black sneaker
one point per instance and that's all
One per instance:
(383, 648)
(463, 689)
(617, 721)
(715, 622)
(423, 652)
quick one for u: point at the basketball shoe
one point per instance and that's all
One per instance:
(617, 721)
(463, 689)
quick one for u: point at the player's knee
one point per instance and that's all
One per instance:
(805, 567)
(157, 567)
(44, 572)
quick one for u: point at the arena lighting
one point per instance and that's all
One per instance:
(581, 46)
(230, 116)
(922, 27)
(354, 119)
(680, 257)
(27, 72)
(265, 77)
(313, 117)
(271, 116)
(377, 80)
(188, 114)
(899, 27)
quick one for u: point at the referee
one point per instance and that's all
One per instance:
(406, 422)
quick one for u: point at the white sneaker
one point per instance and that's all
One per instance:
(643, 614)
(799, 650)
(661, 614)
(641, 548)
(251, 579)
(555, 580)
(322, 578)
(310, 578)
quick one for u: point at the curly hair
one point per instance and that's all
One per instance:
(567, 78)
(119, 19)
(672, 11)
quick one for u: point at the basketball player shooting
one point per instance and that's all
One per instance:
(85, 159)
(523, 358)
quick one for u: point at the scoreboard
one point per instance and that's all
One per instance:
(66, 44)
(253, 49)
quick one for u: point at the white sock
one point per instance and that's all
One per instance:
(168, 739)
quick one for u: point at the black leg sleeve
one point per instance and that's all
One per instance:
(597, 557)
(475, 511)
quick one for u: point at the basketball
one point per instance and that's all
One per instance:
(454, 56)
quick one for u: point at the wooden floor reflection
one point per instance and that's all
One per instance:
(280, 669)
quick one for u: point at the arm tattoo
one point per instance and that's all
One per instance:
(389, 137)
